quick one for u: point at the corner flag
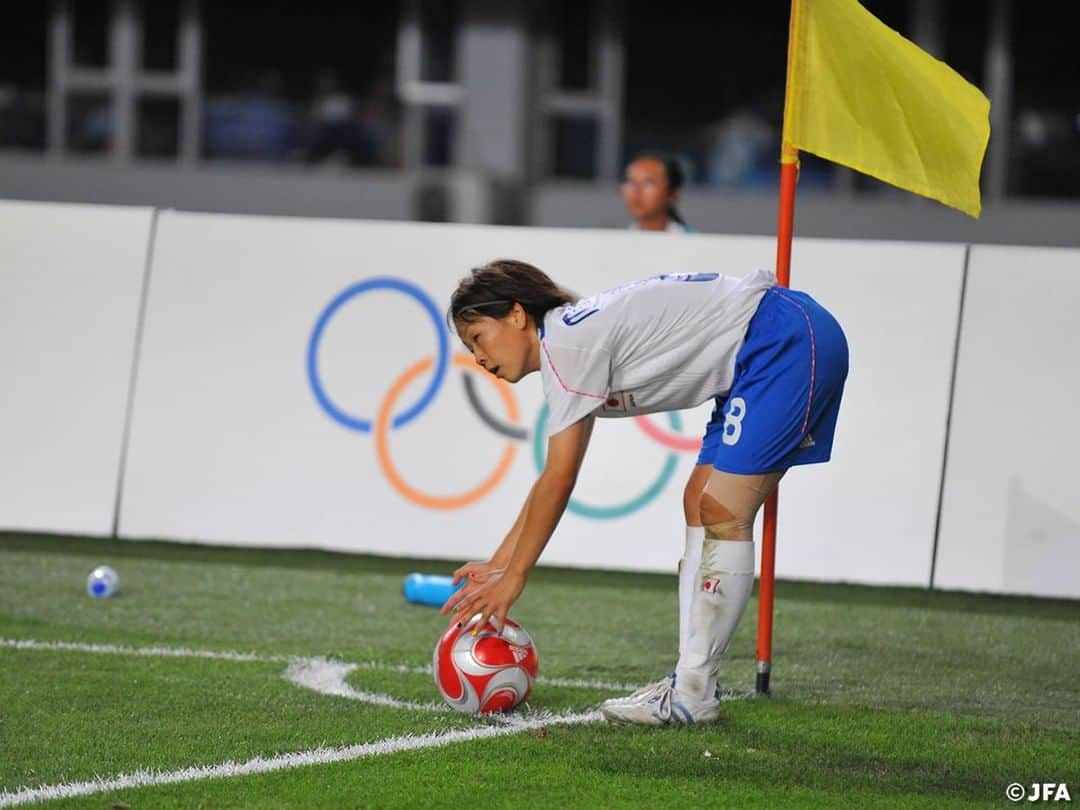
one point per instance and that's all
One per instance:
(860, 94)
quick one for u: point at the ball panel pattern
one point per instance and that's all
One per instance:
(489, 672)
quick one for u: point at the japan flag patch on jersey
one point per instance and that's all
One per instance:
(619, 402)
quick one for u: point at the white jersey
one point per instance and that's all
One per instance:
(672, 227)
(660, 344)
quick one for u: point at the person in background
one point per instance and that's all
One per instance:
(338, 135)
(650, 189)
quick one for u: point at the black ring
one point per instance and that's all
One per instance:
(502, 428)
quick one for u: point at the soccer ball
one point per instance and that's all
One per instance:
(485, 673)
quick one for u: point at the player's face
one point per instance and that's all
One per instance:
(645, 189)
(502, 346)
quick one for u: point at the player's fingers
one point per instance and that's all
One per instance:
(469, 608)
(458, 618)
(453, 599)
(458, 603)
(463, 571)
(485, 614)
(499, 618)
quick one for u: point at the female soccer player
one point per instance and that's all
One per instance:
(774, 360)
(650, 190)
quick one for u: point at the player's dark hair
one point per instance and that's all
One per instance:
(492, 290)
(675, 179)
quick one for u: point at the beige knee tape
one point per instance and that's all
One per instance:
(731, 530)
(730, 503)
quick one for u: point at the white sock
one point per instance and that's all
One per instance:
(726, 581)
(688, 580)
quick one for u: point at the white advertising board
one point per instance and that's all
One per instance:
(71, 278)
(1011, 514)
(272, 346)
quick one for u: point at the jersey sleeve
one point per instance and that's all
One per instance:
(576, 382)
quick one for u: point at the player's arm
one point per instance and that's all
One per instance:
(543, 509)
(575, 442)
(480, 571)
(550, 494)
(506, 550)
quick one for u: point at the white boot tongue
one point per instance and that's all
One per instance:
(697, 683)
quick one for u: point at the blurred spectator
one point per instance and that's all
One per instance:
(379, 115)
(22, 118)
(742, 150)
(650, 190)
(254, 124)
(1046, 152)
(337, 133)
(90, 127)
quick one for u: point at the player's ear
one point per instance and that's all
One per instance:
(518, 316)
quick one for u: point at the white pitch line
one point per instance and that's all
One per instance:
(322, 675)
(150, 652)
(603, 686)
(586, 684)
(328, 678)
(318, 756)
(231, 655)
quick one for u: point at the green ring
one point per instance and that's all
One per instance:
(619, 510)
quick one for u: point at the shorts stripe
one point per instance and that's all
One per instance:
(813, 352)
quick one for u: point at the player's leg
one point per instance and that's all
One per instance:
(695, 530)
(691, 558)
(721, 590)
(695, 538)
(688, 568)
(725, 579)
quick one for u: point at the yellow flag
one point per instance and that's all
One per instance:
(860, 94)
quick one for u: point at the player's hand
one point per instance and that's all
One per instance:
(491, 599)
(475, 574)
(476, 571)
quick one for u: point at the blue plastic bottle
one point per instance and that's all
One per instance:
(429, 589)
(102, 582)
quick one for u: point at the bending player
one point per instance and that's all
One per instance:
(774, 360)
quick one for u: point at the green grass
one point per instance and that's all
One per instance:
(882, 697)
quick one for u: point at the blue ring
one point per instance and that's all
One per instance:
(618, 510)
(441, 361)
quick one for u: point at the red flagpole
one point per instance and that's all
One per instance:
(789, 174)
(789, 169)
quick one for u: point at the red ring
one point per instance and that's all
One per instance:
(672, 441)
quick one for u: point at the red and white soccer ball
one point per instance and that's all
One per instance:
(488, 672)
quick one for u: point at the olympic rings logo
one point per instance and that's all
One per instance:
(388, 418)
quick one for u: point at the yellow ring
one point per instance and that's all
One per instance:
(382, 445)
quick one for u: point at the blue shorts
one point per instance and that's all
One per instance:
(789, 378)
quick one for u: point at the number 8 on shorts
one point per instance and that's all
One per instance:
(736, 410)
